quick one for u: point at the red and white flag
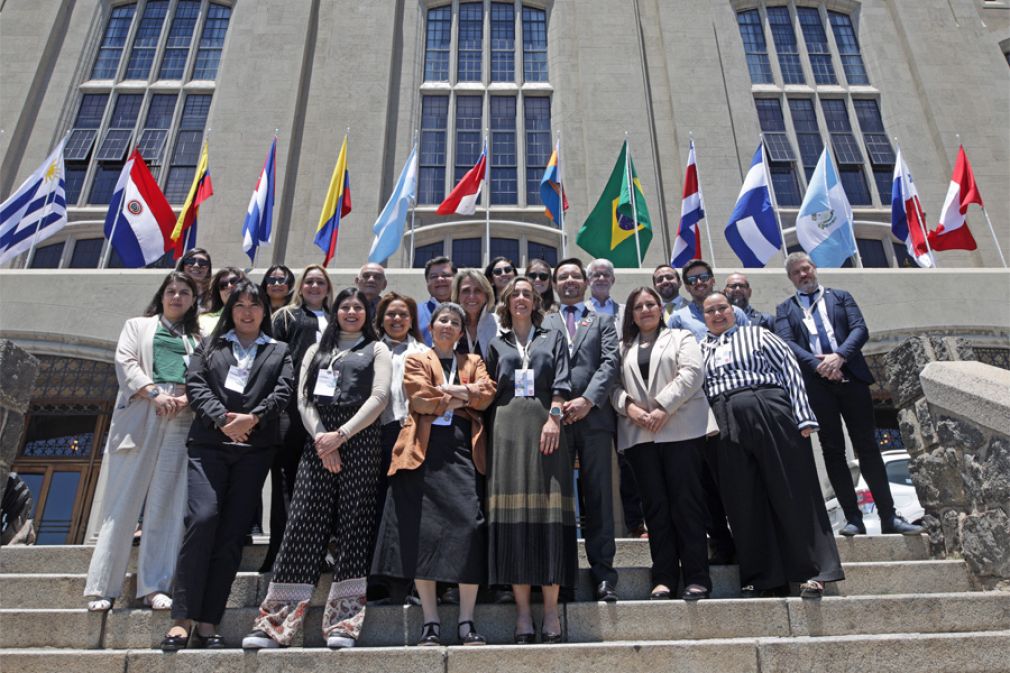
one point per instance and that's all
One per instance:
(952, 232)
(462, 200)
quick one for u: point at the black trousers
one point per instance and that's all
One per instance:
(770, 489)
(669, 479)
(631, 502)
(851, 401)
(715, 524)
(282, 481)
(224, 485)
(595, 476)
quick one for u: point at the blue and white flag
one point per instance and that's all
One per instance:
(258, 218)
(752, 231)
(389, 227)
(37, 210)
(824, 223)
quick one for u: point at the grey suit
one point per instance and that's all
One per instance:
(594, 369)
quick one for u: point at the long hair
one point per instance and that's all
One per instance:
(216, 304)
(289, 275)
(482, 282)
(189, 323)
(547, 300)
(296, 299)
(202, 295)
(328, 342)
(380, 312)
(502, 310)
(227, 321)
(629, 330)
(489, 272)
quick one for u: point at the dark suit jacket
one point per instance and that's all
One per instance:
(270, 386)
(594, 364)
(847, 322)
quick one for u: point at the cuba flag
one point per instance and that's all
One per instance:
(753, 231)
(552, 191)
(824, 223)
(139, 223)
(259, 216)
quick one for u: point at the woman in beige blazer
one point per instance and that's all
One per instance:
(663, 418)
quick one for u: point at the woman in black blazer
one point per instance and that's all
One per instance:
(238, 382)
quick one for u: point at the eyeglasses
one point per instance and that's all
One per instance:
(538, 275)
(698, 278)
(664, 279)
(274, 280)
(502, 270)
(737, 286)
(198, 262)
(230, 282)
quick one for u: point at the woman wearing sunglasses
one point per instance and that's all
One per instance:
(539, 272)
(499, 273)
(278, 286)
(197, 265)
(221, 285)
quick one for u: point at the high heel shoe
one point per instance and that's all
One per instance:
(525, 638)
(548, 638)
(471, 637)
(430, 633)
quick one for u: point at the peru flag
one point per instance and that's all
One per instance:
(462, 200)
(953, 232)
(139, 222)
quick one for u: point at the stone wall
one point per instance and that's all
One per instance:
(954, 415)
(18, 370)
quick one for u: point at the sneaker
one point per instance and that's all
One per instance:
(339, 642)
(852, 528)
(259, 640)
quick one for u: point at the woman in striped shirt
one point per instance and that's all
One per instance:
(767, 477)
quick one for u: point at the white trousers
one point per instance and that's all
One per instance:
(152, 479)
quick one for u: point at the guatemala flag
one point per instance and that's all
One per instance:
(692, 211)
(753, 231)
(908, 219)
(256, 228)
(824, 223)
(139, 223)
(389, 227)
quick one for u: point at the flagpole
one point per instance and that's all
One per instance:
(834, 167)
(487, 197)
(45, 212)
(701, 198)
(631, 196)
(413, 205)
(771, 194)
(561, 208)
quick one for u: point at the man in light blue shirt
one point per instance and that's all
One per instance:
(438, 274)
(700, 282)
(601, 279)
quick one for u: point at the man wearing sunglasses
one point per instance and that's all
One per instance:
(738, 291)
(700, 282)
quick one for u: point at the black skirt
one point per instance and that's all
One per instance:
(433, 523)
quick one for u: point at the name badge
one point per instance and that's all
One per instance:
(326, 383)
(444, 419)
(723, 356)
(237, 378)
(524, 383)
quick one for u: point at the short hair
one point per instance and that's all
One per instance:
(477, 277)
(502, 310)
(435, 261)
(629, 330)
(696, 262)
(156, 307)
(385, 301)
(795, 258)
(571, 261)
(451, 307)
(665, 266)
(600, 262)
(216, 304)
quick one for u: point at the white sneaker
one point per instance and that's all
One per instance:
(340, 642)
(259, 640)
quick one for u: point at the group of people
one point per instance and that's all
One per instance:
(435, 442)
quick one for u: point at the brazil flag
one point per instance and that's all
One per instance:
(609, 231)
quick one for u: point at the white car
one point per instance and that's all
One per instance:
(906, 500)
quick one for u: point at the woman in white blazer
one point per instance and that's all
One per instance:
(146, 452)
(663, 419)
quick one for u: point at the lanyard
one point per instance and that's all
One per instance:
(809, 310)
(342, 354)
(452, 371)
(524, 349)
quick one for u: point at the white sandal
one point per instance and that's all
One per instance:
(158, 601)
(100, 605)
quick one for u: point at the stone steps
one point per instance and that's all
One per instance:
(582, 622)
(249, 589)
(891, 653)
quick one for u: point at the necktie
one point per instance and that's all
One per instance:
(570, 320)
(432, 305)
(822, 334)
(667, 312)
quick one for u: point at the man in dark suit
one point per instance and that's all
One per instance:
(594, 368)
(825, 330)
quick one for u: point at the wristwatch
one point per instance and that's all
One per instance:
(556, 412)
(153, 392)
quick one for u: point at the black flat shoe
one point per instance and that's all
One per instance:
(525, 638)
(430, 635)
(471, 637)
(660, 596)
(214, 641)
(174, 643)
(694, 593)
(548, 638)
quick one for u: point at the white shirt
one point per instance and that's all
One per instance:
(808, 319)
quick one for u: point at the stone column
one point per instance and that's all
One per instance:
(18, 371)
(954, 415)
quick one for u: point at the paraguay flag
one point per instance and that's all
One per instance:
(692, 211)
(139, 222)
(908, 219)
(336, 205)
(753, 231)
(552, 191)
(258, 218)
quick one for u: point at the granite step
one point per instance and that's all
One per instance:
(53, 590)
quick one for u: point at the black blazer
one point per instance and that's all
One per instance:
(847, 322)
(270, 386)
(297, 328)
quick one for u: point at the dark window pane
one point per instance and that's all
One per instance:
(785, 45)
(124, 118)
(89, 115)
(104, 182)
(505, 247)
(468, 133)
(854, 184)
(787, 189)
(884, 177)
(538, 144)
(471, 33)
(503, 150)
(871, 252)
(124, 115)
(817, 45)
(114, 145)
(423, 253)
(808, 135)
(534, 45)
(159, 111)
(843, 142)
(180, 35)
(187, 148)
(34, 484)
(178, 183)
(848, 48)
(436, 52)
(503, 42)
(152, 146)
(87, 253)
(548, 253)
(75, 173)
(208, 57)
(466, 252)
(54, 527)
(194, 114)
(431, 162)
(107, 61)
(145, 42)
(79, 144)
(755, 47)
(878, 146)
(773, 126)
(48, 256)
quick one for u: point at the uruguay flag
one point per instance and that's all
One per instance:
(256, 228)
(388, 228)
(824, 223)
(687, 246)
(908, 219)
(753, 231)
(37, 210)
(139, 223)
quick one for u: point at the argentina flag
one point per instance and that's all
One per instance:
(752, 231)
(824, 223)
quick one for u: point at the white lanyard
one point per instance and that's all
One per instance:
(342, 354)
(808, 311)
(524, 349)
(452, 371)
